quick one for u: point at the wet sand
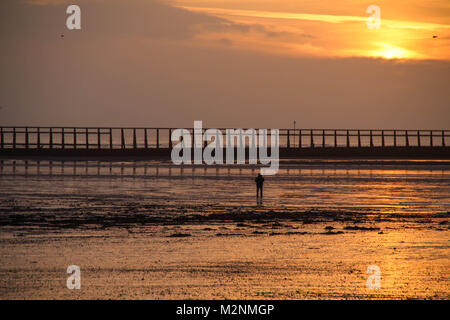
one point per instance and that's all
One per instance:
(251, 260)
(140, 238)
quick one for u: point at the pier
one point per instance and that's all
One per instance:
(143, 142)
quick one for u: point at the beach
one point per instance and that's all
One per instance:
(151, 230)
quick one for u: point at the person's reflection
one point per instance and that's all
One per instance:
(259, 202)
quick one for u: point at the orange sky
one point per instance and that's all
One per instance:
(229, 63)
(335, 28)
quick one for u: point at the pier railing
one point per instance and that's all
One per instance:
(159, 138)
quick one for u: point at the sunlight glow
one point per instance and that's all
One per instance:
(388, 51)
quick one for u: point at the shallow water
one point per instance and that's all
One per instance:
(410, 188)
(149, 230)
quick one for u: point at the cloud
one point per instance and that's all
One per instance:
(151, 18)
(136, 72)
(332, 35)
(45, 2)
(226, 41)
(228, 25)
(318, 17)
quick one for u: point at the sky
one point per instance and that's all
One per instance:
(230, 63)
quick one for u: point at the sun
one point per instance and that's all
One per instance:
(388, 51)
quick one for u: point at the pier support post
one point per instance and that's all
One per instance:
(323, 138)
(134, 139)
(288, 139)
(382, 138)
(157, 138)
(87, 138)
(26, 138)
(74, 138)
(170, 139)
(431, 138)
(300, 138)
(110, 139)
(38, 138)
(335, 138)
(62, 139)
(359, 138)
(51, 138)
(371, 139)
(122, 138)
(443, 138)
(14, 138)
(2, 139)
(99, 141)
(145, 139)
(418, 138)
(395, 138)
(406, 138)
(312, 138)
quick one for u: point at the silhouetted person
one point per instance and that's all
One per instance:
(259, 185)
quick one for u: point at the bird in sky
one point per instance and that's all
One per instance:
(434, 36)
